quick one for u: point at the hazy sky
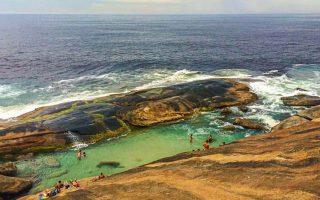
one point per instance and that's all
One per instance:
(160, 6)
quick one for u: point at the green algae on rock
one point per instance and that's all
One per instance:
(107, 117)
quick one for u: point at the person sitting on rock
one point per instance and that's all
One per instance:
(67, 185)
(101, 176)
(75, 183)
(206, 145)
(59, 185)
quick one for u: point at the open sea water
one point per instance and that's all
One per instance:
(49, 59)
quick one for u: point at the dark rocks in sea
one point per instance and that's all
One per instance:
(226, 112)
(228, 128)
(248, 123)
(44, 129)
(301, 100)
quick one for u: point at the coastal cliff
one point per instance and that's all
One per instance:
(282, 164)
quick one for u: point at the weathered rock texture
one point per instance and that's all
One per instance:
(279, 165)
(248, 123)
(8, 169)
(301, 100)
(300, 118)
(13, 186)
(44, 129)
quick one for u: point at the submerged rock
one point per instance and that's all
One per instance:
(228, 128)
(13, 186)
(243, 109)
(8, 169)
(108, 163)
(50, 161)
(248, 123)
(226, 112)
(301, 100)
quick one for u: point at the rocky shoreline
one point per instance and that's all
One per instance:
(45, 130)
(283, 164)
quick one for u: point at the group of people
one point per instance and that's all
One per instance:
(206, 144)
(58, 187)
(66, 185)
(81, 154)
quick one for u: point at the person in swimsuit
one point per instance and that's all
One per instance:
(206, 145)
(79, 154)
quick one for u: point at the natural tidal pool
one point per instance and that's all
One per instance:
(137, 148)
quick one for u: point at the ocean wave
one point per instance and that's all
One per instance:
(269, 86)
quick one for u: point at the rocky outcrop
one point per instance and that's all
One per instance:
(13, 186)
(8, 169)
(279, 165)
(301, 100)
(250, 124)
(290, 122)
(45, 128)
(301, 117)
(228, 128)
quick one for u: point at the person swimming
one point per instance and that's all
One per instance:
(79, 154)
(206, 145)
(210, 139)
(84, 154)
(190, 138)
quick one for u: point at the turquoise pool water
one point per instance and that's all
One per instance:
(137, 148)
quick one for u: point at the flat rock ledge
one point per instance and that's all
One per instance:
(49, 128)
(301, 100)
(279, 165)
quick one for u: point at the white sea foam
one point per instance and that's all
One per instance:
(268, 86)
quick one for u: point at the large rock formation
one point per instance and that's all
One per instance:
(13, 186)
(279, 165)
(44, 129)
(8, 169)
(301, 100)
(248, 123)
(301, 117)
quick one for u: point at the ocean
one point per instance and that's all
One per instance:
(50, 59)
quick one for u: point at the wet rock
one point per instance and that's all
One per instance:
(226, 112)
(108, 163)
(248, 123)
(243, 109)
(50, 161)
(44, 129)
(290, 122)
(228, 128)
(8, 169)
(301, 100)
(13, 186)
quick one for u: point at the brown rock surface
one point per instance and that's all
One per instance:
(228, 128)
(301, 100)
(311, 113)
(248, 123)
(290, 122)
(8, 169)
(12, 186)
(279, 165)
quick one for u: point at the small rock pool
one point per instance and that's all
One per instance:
(137, 148)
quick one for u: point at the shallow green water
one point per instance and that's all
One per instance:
(137, 148)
